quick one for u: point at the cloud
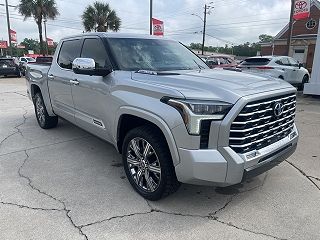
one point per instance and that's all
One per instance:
(234, 21)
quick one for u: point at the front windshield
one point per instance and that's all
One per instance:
(133, 54)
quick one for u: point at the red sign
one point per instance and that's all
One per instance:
(158, 27)
(301, 9)
(3, 44)
(13, 35)
(50, 42)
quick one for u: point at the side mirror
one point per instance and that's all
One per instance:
(300, 65)
(87, 66)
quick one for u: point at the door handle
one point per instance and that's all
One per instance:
(74, 82)
(50, 76)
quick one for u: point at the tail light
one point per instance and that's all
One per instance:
(265, 68)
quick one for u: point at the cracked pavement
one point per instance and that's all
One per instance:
(64, 183)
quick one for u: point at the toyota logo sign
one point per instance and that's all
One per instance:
(301, 4)
(301, 9)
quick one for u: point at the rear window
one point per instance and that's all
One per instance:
(256, 61)
(7, 62)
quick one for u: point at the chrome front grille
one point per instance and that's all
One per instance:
(257, 125)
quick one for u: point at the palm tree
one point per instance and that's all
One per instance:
(39, 10)
(100, 18)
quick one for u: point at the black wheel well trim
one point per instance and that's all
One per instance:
(128, 122)
(34, 90)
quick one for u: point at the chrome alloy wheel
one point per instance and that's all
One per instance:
(40, 111)
(143, 164)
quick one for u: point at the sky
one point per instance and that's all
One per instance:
(229, 22)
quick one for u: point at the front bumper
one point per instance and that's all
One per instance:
(214, 167)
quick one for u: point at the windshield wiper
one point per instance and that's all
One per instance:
(199, 66)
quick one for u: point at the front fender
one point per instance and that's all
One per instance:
(151, 117)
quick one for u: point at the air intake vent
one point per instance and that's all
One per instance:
(204, 134)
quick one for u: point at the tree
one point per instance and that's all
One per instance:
(39, 10)
(265, 38)
(31, 44)
(100, 18)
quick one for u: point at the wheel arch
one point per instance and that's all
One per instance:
(34, 90)
(128, 118)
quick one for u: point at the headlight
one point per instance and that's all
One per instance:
(195, 111)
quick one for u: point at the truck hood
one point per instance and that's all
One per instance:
(214, 84)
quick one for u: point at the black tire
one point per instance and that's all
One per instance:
(304, 81)
(44, 120)
(168, 182)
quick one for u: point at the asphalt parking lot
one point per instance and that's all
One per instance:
(64, 183)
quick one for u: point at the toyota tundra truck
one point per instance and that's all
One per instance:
(172, 118)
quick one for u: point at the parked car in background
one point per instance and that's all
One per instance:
(9, 67)
(282, 67)
(27, 59)
(23, 61)
(172, 118)
(220, 62)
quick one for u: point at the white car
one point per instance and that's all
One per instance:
(23, 63)
(27, 59)
(282, 67)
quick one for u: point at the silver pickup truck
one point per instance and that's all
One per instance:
(172, 118)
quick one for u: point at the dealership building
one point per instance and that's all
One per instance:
(304, 37)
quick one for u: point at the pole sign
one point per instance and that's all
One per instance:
(301, 9)
(3, 44)
(158, 28)
(13, 35)
(50, 42)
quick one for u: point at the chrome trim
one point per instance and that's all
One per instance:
(248, 144)
(279, 99)
(261, 133)
(261, 126)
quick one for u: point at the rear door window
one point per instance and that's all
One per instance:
(285, 61)
(69, 51)
(293, 62)
(256, 61)
(94, 48)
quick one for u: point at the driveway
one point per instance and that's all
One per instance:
(64, 183)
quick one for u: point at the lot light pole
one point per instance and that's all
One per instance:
(207, 8)
(290, 27)
(45, 35)
(150, 17)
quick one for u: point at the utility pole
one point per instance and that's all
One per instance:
(150, 17)
(204, 28)
(8, 24)
(290, 27)
(45, 35)
(207, 8)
